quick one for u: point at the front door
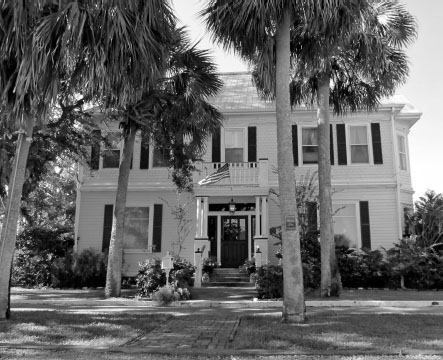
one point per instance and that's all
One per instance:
(234, 241)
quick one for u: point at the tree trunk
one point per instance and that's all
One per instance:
(10, 223)
(293, 292)
(329, 284)
(115, 257)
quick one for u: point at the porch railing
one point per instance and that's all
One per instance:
(241, 173)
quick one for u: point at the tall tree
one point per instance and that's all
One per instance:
(171, 110)
(350, 71)
(42, 42)
(348, 65)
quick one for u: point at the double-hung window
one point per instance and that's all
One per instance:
(111, 154)
(136, 228)
(160, 157)
(309, 145)
(402, 159)
(234, 145)
(345, 223)
(359, 144)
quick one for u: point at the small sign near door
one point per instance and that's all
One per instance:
(290, 222)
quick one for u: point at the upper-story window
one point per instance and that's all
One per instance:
(160, 157)
(359, 144)
(111, 153)
(402, 159)
(234, 145)
(309, 145)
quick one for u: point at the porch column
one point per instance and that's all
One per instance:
(205, 216)
(264, 215)
(257, 216)
(201, 241)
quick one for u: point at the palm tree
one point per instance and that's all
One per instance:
(252, 29)
(173, 109)
(357, 68)
(350, 69)
(42, 42)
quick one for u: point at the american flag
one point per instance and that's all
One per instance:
(221, 173)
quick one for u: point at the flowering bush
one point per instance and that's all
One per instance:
(151, 277)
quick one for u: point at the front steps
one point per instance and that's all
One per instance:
(228, 277)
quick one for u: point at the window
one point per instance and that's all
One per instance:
(234, 145)
(359, 144)
(309, 145)
(136, 228)
(345, 223)
(111, 154)
(402, 162)
(160, 157)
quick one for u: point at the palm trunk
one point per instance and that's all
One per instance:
(115, 257)
(9, 229)
(293, 292)
(329, 284)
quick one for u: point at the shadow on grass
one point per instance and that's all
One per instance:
(340, 331)
(63, 328)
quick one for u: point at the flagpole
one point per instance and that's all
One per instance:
(230, 181)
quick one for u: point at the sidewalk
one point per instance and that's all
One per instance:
(206, 325)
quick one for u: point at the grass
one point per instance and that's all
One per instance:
(331, 330)
(63, 328)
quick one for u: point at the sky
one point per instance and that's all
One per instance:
(423, 89)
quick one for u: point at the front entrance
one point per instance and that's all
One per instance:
(234, 241)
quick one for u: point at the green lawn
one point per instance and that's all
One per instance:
(333, 330)
(63, 328)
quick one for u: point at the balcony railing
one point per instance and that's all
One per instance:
(241, 173)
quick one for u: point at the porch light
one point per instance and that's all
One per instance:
(232, 206)
(301, 209)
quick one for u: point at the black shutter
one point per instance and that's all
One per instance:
(144, 156)
(376, 143)
(331, 146)
(341, 144)
(107, 226)
(295, 144)
(216, 146)
(364, 225)
(95, 150)
(157, 228)
(311, 210)
(252, 144)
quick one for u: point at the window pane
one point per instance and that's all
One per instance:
(345, 222)
(403, 162)
(359, 154)
(161, 158)
(309, 136)
(358, 135)
(111, 159)
(136, 228)
(310, 154)
(401, 144)
(234, 138)
(233, 155)
(111, 154)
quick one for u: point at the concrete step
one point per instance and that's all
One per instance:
(228, 284)
(228, 277)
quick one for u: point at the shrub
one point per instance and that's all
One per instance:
(152, 277)
(165, 296)
(248, 267)
(269, 282)
(37, 249)
(209, 264)
(87, 269)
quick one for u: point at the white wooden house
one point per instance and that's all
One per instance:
(371, 182)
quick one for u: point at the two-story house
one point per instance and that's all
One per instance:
(371, 182)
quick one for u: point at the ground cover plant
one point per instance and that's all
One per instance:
(63, 328)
